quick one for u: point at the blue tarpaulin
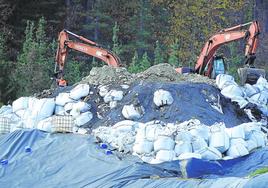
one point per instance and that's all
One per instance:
(68, 160)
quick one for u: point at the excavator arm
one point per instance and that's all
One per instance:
(223, 37)
(87, 47)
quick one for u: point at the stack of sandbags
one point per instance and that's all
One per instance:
(70, 104)
(111, 97)
(256, 94)
(156, 142)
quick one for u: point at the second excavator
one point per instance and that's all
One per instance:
(209, 64)
(85, 46)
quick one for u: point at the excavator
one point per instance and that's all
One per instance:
(85, 46)
(209, 64)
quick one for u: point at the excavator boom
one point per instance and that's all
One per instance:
(225, 36)
(86, 46)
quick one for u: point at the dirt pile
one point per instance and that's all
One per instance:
(158, 73)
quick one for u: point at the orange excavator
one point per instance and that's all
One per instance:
(85, 46)
(209, 64)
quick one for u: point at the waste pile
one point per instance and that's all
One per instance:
(158, 115)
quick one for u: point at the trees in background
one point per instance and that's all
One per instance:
(141, 32)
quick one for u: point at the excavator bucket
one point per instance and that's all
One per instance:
(250, 75)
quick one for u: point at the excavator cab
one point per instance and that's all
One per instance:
(218, 66)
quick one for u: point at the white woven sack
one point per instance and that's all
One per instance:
(165, 155)
(237, 150)
(219, 139)
(236, 132)
(6, 109)
(251, 145)
(131, 112)
(113, 95)
(259, 138)
(164, 143)
(44, 108)
(45, 125)
(143, 147)
(183, 147)
(198, 143)
(103, 90)
(83, 118)
(210, 153)
(224, 80)
(79, 91)
(186, 156)
(183, 136)
(162, 97)
(20, 104)
(152, 132)
(81, 106)
(63, 98)
(59, 110)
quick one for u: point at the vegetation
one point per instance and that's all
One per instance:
(153, 31)
(259, 172)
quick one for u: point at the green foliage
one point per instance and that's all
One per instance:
(32, 73)
(173, 59)
(145, 62)
(117, 48)
(158, 55)
(258, 172)
(2, 47)
(134, 66)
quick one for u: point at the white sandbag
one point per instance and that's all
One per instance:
(79, 91)
(165, 155)
(141, 133)
(156, 161)
(186, 156)
(124, 123)
(219, 139)
(112, 104)
(236, 132)
(6, 109)
(237, 150)
(200, 131)
(83, 118)
(210, 153)
(43, 108)
(261, 83)
(62, 124)
(5, 124)
(164, 143)
(59, 110)
(260, 98)
(103, 90)
(31, 122)
(147, 159)
(258, 137)
(198, 143)
(68, 107)
(124, 86)
(152, 132)
(16, 126)
(183, 147)
(227, 158)
(224, 80)
(249, 127)
(45, 125)
(251, 145)
(63, 98)
(232, 91)
(143, 146)
(250, 90)
(81, 106)
(183, 136)
(113, 95)
(23, 114)
(132, 112)
(162, 97)
(20, 104)
(75, 112)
